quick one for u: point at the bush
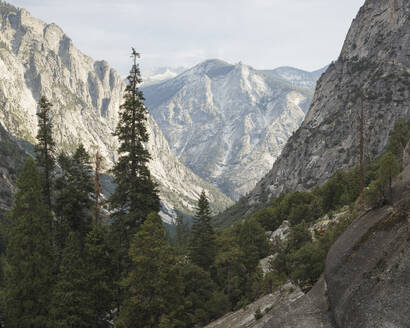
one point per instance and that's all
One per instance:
(258, 314)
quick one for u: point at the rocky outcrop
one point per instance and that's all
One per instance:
(368, 268)
(373, 74)
(228, 123)
(366, 283)
(39, 59)
(285, 295)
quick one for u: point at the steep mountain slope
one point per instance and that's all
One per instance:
(366, 282)
(373, 73)
(39, 59)
(228, 123)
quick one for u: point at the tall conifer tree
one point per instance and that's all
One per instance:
(30, 261)
(153, 285)
(45, 148)
(136, 193)
(202, 245)
(100, 269)
(71, 305)
(74, 187)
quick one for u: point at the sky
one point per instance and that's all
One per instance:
(265, 34)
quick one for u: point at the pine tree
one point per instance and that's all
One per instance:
(153, 284)
(399, 137)
(98, 190)
(99, 276)
(202, 245)
(29, 258)
(74, 187)
(71, 305)
(45, 148)
(136, 194)
(181, 235)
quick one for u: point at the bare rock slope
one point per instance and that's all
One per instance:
(373, 73)
(228, 123)
(39, 59)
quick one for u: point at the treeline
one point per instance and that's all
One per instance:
(73, 259)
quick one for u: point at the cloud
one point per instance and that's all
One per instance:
(262, 33)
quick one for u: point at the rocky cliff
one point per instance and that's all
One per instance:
(228, 123)
(373, 74)
(39, 59)
(366, 281)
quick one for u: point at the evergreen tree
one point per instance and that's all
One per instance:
(153, 284)
(252, 242)
(98, 190)
(399, 137)
(30, 260)
(74, 188)
(380, 190)
(181, 235)
(202, 248)
(198, 295)
(136, 194)
(71, 305)
(99, 276)
(45, 148)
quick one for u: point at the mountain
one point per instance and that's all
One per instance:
(228, 123)
(296, 76)
(160, 74)
(39, 59)
(372, 73)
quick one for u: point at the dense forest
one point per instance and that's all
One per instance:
(72, 258)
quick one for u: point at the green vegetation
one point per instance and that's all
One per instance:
(30, 265)
(45, 148)
(136, 193)
(63, 269)
(202, 246)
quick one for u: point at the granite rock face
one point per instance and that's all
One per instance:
(228, 123)
(286, 295)
(39, 59)
(373, 74)
(368, 268)
(366, 282)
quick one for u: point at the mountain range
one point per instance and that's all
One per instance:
(216, 126)
(229, 122)
(40, 59)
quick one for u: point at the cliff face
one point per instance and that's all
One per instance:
(373, 74)
(228, 123)
(366, 281)
(39, 59)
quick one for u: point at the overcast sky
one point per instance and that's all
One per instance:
(306, 34)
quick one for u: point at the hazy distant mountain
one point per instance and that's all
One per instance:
(39, 59)
(228, 123)
(296, 76)
(160, 74)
